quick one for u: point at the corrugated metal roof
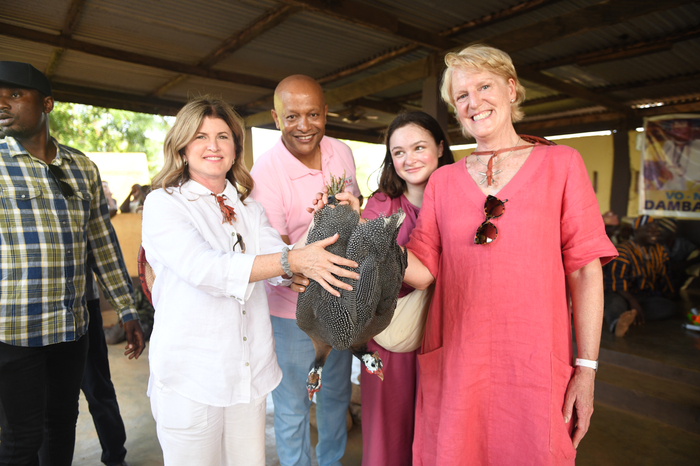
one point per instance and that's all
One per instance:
(320, 45)
(294, 47)
(236, 95)
(17, 50)
(438, 16)
(36, 14)
(107, 74)
(506, 26)
(644, 28)
(169, 29)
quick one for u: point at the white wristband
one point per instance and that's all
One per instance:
(587, 363)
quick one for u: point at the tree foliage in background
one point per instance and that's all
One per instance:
(97, 129)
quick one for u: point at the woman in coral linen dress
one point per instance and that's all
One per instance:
(504, 235)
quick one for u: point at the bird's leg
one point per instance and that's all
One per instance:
(372, 362)
(313, 382)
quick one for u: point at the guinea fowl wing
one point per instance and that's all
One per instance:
(321, 315)
(382, 266)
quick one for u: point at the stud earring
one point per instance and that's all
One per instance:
(512, 100)
(184, 161)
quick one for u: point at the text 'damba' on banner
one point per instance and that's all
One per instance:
(671, 167)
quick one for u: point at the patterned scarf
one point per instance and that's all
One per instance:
(226, 210)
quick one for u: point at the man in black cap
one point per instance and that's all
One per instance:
(54, 230)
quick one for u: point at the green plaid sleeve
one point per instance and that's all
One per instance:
(106, 257)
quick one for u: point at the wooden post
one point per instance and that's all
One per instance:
(248, 148)
(432, 101)
(621, 176)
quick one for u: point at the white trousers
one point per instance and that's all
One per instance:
(192, 433)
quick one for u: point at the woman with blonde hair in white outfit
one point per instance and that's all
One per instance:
(212, 358)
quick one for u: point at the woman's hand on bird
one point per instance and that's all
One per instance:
(299, 283)
(314, 262)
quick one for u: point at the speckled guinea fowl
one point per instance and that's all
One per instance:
(351, 320)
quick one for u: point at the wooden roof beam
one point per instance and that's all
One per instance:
(377, 19)
(270, 19)
(619, 87)
(377, 83)
(111, 99)
(71, 19)
(649, 83)
(593, 17)
(572, 90)
(502, 15)
(69, 23)
(584, 19)
(621, 52)
(369, 63)
(395, 52)
(478, 23)
(683, 107)
(131, 57)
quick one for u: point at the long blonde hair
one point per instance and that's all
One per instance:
(481, 57)
(187, 123)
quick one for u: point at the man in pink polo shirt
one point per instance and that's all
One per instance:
(287, 178)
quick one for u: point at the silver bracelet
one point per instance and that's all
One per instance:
(284, 260)
(587, 363)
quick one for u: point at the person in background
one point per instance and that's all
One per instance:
(111, 202)
(683, 254)
(212, 355)
(54, 212)
(97, 384)
(287, 178)
(626, 230)
(507, 235)
(415, 147)
(612, 225)
(134, 201)
(637, 282)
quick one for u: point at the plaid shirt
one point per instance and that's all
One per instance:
(48, 241)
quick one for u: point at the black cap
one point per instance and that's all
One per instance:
(24, 75)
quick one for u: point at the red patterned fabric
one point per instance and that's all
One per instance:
(226, 210)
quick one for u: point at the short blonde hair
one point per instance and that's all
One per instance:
(481, 57)
(187, 123)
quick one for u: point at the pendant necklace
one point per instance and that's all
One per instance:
(489, 173)
(226, 210)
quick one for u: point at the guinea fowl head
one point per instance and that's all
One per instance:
(336, 185)
(313, 382)
(373, 364)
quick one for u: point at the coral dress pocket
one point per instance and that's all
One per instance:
(431, 385)
(560, 443)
